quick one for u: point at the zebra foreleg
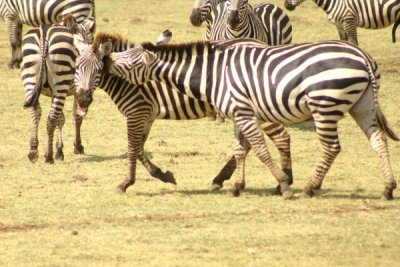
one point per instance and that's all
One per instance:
(154, 170)
(252, 132)
(350, 28)
(15, 33)
(36, 114)
(59, 144)
(78, 147)
(329, 140)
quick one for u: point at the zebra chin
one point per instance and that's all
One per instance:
(289, 6)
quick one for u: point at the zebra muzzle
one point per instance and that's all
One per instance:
(289, 6)
(233, 19)
(195, 17)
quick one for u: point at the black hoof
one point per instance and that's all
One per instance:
(387, 194)
(33, 156)
(278, 190)
(79, 149)
(49, 160)
(308, 192)
(169, 178)
(59, 155)
(120, 189)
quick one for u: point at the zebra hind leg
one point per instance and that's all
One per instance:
(59, 144)
(36, 114)
(254, 135)
(329, 139)
(366, 116)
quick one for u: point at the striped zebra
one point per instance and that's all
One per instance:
(264, 22)
(142, 103)
(253, 83)
(34, 13)
(347, 15)
(48, 67)
(237, 19)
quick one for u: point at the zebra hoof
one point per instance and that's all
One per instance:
(216, 186)
(121, 189)
(287, 194)
(169, 178)
(387, 194)
(308, 192)
(33, 156)
(59, 155)
(79, 149)
(240, 186)
(278, 190)
(49, 160)
(233, 192)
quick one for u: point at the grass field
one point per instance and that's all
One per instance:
(68, 214)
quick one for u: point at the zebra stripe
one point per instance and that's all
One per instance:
(347, 15)
(34, 13)
(281, 84)
(48, 66)
(264, 22)
(142, 104)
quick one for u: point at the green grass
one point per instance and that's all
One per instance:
(68, 214)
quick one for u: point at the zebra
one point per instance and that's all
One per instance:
(347, 15)
(34, 13)
(48, 67)
(253, 83)
(265, 22)
(142, 103)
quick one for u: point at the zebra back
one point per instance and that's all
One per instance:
(49, 51)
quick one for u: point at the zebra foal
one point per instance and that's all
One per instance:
(280, 84)
(34, 13)
(347, 15)
(142, 103)
(48, 67)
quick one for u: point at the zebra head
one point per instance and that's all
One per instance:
(236, 10)
(201, 10)
(89, 66)
(133, 65)
(292, 4)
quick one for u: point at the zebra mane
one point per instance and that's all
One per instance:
(119, 43)
(178, 47)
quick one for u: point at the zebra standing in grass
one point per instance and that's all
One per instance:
(48, 67)
(143, 103)
(347, 15)
(264, 22)
(34, 13)
(254, 83)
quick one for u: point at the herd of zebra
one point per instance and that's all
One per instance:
(245, 70)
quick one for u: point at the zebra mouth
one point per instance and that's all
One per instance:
(195, 17)
(82, 111)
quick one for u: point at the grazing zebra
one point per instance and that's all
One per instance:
(347, 15)
(34, 13)
(143, 103)
(264, 22)
(48, 67)
(255, 83)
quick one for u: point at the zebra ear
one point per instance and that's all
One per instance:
(90, 24)
(105, 48)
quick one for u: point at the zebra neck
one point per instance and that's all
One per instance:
(185, 70)
(325, 4)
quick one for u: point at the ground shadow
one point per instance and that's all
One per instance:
(97, 158)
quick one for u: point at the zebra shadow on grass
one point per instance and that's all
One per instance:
(97, 158)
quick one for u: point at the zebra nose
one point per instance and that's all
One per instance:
(195, 17)
(233, 19)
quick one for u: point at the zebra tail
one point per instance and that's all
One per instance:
(380, 117)
(396, 24)
(384, 126)
(32, 100)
